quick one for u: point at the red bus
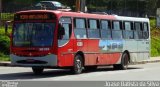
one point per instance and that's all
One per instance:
(55, 39)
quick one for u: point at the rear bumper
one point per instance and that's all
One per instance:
(45, 61)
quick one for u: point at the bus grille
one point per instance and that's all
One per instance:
(31, 62)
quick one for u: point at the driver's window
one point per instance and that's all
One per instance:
(66, 29)
(66, 25)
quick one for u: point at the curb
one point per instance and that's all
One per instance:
(146, 61)
(5, 64)
(143, 62)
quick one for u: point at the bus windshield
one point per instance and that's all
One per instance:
(33, 34)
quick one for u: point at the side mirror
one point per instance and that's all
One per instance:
(61, 31)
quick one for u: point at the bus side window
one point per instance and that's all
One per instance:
(67, 30)
(105, 29)
(93, 28)
(65, 23)
(66, 34)
(138, 30)
(80, 28)
(117, 30)
(145, 31)
(128, 30)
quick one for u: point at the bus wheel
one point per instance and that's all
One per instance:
(78, 65)
(37, 70)
(124, 62)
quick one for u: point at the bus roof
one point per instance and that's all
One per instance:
(73, 14)
(88, 15)
(124, 18)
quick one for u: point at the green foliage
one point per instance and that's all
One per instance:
(152, 23)
(4, 57)
(4, 44)
(155, 39)
(143, 6)
(155, 46)
(7, 16)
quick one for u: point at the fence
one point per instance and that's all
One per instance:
(5, 17)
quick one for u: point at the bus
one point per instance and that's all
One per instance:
(77, 41)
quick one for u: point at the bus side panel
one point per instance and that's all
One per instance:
(104, 52)
(104, 58)
(111, 50)
(131, 47)
(138, 51)
(93, 52)
(65, 54)
(143, 49)
(115, 58)
(80, 45)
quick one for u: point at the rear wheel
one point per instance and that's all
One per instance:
(78, 65)
(37, 70)
(124, 62)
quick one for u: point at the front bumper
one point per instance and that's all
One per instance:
(46, 61)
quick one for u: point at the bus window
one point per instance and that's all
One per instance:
(67, 29)
(104, 25)
(65, 20)
(116, 31)
(105, 29)
(127, 25)
(67, 34)
(33, 34)
(138, 30)
(80, 23)
(145, 31)
(128, 30)
(93, 24)
(93, 31)
(138, 26)
(80, 28)
(116, 25)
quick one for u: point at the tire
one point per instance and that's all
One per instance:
(124, 62)
(78, 65)
(37, 70)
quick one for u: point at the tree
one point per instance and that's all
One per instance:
(151, 6)
(0, 10)
(119, 6)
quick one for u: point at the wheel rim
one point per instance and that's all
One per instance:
(78, 65)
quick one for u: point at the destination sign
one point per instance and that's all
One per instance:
(38, 16)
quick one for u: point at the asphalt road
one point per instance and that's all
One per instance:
(150, 71)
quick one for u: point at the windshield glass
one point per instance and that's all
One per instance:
(58, 4)
(33, 34)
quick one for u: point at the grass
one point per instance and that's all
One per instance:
(155, 42)
(4, 57)
(155, 39)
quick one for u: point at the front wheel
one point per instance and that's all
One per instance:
(78, 65)
(124, 63)
(37, 70)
